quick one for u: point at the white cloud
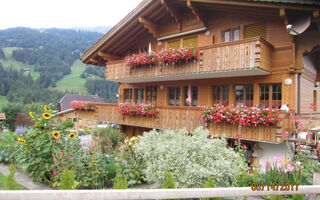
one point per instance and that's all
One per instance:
(63, 13)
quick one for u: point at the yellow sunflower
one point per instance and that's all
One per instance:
(22, 141)
(31, 115)
(46, 109)
(36, 124)
(72, 135)
(46, 115)
(27, 149)
(56, 134)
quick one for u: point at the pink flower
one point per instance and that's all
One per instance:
(100, 140)
(289, 168)
(267, 165)
(58, 140)
(285, 134)
(245, 147)
(54, 173)
(315, 150)
(279, 174)
(71, 156)
(277, 158)
(299, 147)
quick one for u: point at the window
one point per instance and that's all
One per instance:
(139, 95)
(128, 95)
(270, 95)
(231, 34)
(315, 100)
(244, 95)
(255, 30)
(174, 96)
(151, 95)
(221, 95)
(194, 96)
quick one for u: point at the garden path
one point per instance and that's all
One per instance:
(23, 179)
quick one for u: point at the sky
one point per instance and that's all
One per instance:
(63, 13)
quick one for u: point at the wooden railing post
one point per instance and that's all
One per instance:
(316, 181)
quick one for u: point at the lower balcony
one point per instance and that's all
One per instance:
(189, 118)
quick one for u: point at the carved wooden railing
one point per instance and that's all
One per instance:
(189, 118)
(237, 55)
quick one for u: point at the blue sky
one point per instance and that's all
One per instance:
(63, 13)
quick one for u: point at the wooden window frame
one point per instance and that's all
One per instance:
(182, 41)
(231, 30)
(142, 100)
(221, 99)
(176, 103)
(185, 92)
(245, 92)
(129, 94)
(153, 99)
(271, 102)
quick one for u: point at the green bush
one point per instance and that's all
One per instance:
(9, 181)
(191, 157)
(110, 138)
(67, 181)
(298, 197)
(276, 198)
(169, 182)
(120, 182)
(68, 124)
(210, 184)
(11, 110)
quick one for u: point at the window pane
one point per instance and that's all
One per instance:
(174, 44)
(249, 95)
(177, 96)
(171, 96)
(239, 95)
(185, 96)
(128, 95)
(225, 95)
(151, 95)
(190, 42)
(216, 95)
(194, 96)
(227, 36)
(236, 34)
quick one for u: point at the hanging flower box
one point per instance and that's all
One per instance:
(83, 105)
(244, 116)
(144, 110)
(169, 56)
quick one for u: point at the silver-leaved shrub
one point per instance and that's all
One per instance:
(191, 158)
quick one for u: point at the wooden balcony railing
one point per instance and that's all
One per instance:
(221, 60)
(189, 118)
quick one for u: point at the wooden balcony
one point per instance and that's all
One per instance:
(248, 57)
(189, 118)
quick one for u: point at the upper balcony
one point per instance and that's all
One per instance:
(250, 57)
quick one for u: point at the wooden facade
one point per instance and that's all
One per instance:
(245, 51)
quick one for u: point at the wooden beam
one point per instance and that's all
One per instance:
(201, 16)
(316, 14)
(95, 61)
(129, 41)
(108, 57)
(150, 26)
(173, 12)
(283, 15)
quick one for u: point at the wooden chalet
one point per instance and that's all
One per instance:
(249, 55)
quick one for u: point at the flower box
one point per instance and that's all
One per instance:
(83, 105)
(144, 110)
(244, 116)
(165, 56)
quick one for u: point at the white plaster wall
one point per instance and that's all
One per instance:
(269, 151)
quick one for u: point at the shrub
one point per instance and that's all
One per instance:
(169, 182)
(210, 184)
(68, 124)
(11, 110)
(298, 197)
(276, 198)
(110, 138)
(9, 181)
(190, 157)
(68, 180)
(23, 120)
(120, 182)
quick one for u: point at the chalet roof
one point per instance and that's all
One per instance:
(302, 2)
(2, 116)
(68, 98)
(115, 43)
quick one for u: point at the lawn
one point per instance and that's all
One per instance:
(9, 62)
(73, 81)
(2, 187)
(3, 101)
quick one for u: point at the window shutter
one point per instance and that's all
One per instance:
(254, 30)
(188, 42)
(174, 44)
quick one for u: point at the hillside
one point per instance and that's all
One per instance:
(51, 59)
